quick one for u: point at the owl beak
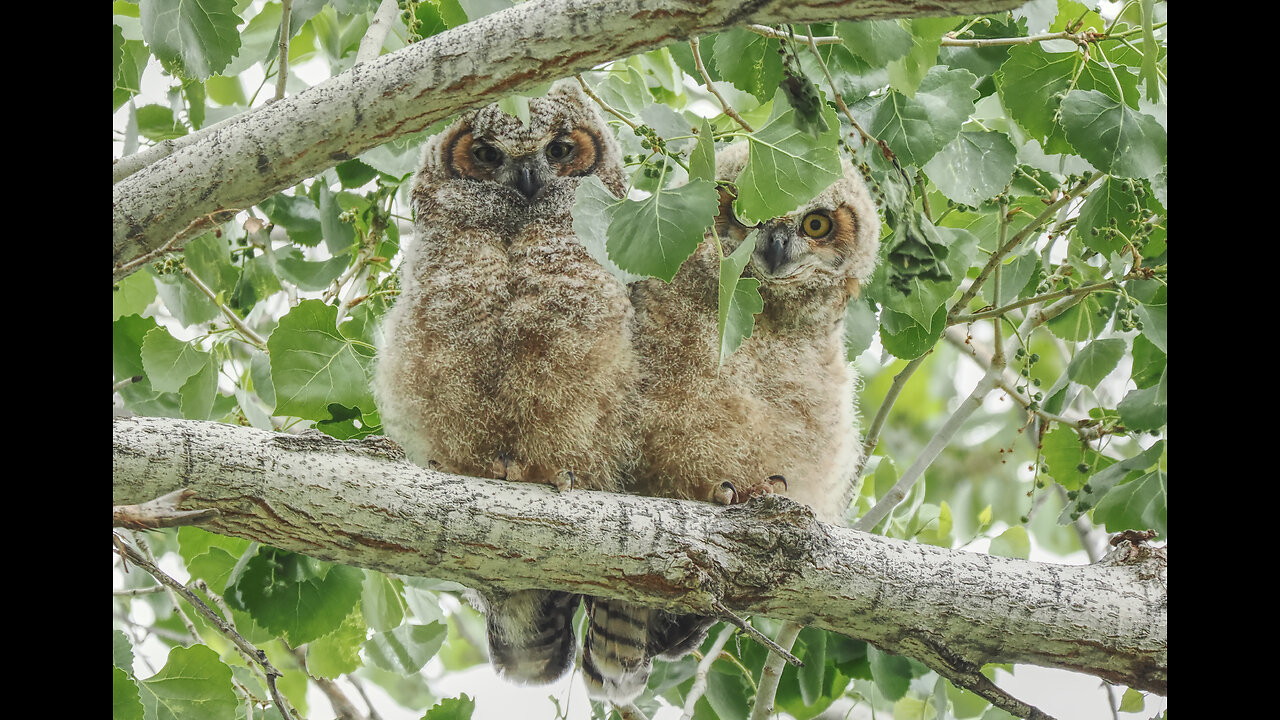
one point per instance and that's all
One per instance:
(527, 180)
(777, 248)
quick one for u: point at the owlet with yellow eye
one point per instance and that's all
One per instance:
(508, 352)
(778, 416)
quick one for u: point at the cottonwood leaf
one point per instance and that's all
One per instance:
(1115, 138)
(892, 673)
(381, 601)
(1145, 409)
(199, 35)
(170, 362)
(1095, 361)
(654, 236)
(786, 166)
(739, 298)
(749, 61)
(459, 708)
(974, 167)
(876, 41)
(125, 701)
(906, 74)
(1013, 543)
(193, 683)
(1103, 482)
(314, 363)
(1137, 505)
(295, 596)
(407, 648)
(338, 652)
(702, 159)
(916, 128)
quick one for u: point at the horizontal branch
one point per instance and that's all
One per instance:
(270, 148)
(361, 504)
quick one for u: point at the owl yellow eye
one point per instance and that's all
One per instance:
(815, 225)
(560, 150)
(486, 154)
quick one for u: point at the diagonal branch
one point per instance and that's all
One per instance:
(273, 147)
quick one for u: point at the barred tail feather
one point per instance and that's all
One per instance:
(671, 637)
(531, 635)
(615, 655)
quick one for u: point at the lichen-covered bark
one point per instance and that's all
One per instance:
(362, 504)
(273, 147)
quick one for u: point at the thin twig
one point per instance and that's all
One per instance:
(117, 387)
(998, 256)
(890, 397)
(282, 73)
(700, 676)
(248, 333)
(376, 35)
(930, 452)
(769, 32)
(706, 79)
(222, 626)
(604, 105)
(771, 674)
(835, 95)
(759, 637)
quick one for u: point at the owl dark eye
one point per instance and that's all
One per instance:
(486, 154)
(560, 150)
(815, 225)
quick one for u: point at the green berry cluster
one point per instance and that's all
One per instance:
(1028, 361)
(1126, 313)
(409, 15)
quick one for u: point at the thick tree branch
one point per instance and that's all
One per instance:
(360, 504)
(276, 146)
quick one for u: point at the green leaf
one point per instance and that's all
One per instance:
(974, 167)
(200, 391)
(654, 236)
(1013, 543)
(130, 60)
(294, 595)
(1132, 701)
(903, 337)
(1138, 505)
(193, 683)
(169, 362)
(121, 651)
(381, 602)
(200, 36)
(1113, 137)
(1084, 320)
(906, 74)
(916, 128)
(892, 673)
(787, 167)
(405, 649)
(810, 676)
(132, 295)
(298, 215)
(1155, 324)
(879, 42)
(156, 122)
(125, 701)
(207, 257)
(1103, 482)
(860, 324)
(749, 61)
(1148, 362)
(314, 363)
(1114, 201)
(739, 298)
(702, 159)
(338, 652)
(1095, 361)
(1143, 410)
(593, 210)
(312, 276)
(459, 708)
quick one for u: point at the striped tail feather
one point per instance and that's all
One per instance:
(615, 657)
(530, 633)
(671, 637)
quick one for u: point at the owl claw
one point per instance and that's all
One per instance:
(505, 468)
(564, 480)
(725, 494)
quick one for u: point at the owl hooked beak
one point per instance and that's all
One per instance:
(777, 248)
(527, 179)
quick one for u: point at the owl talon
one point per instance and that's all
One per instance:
(725, 494)
(505, 468)
(777, 484)
(564, 481)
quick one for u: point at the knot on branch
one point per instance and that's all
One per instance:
(774, 538)
(375, 446)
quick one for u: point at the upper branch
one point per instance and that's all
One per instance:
(249, 158)
(360, 504)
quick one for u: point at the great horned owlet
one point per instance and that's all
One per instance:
(778, 416)
(508, 352)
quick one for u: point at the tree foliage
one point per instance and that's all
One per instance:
(1020, 161)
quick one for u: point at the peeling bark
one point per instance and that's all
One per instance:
(254, 155)
(362, 504)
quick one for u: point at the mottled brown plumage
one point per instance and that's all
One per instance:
(508, 352)
(783, 404)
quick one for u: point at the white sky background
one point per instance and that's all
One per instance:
(1065, 695)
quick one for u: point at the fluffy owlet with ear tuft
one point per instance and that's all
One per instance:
(778, 416)
(508, 352)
